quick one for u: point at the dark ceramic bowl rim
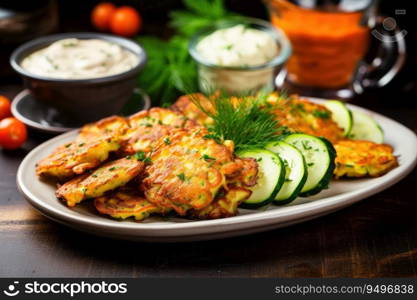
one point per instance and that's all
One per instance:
(36, 44)
(277, 34)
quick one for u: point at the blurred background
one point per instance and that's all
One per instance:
(75, 16)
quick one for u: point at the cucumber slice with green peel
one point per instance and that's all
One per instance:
(366, 128)
(319, 155)
(295, 171)
(341, 115)
(271, 176)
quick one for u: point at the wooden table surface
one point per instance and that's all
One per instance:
(376, 237)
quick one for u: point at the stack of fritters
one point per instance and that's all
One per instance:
(354, 158)
(154, 162)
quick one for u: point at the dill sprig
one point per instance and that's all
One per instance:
(246, 120)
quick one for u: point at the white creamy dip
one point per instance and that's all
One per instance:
(238, 46)
(80, 59)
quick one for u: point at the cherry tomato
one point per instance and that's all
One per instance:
(4, 107)
(13, 133)
(126, 21)
(101, 15)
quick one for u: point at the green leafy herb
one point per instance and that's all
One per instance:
(321, 114)
(181, 176)
(112, 169)
(248, 122)
(167, 141)
(207, 157)
(80, 145)
(214, 137)
(140, 155)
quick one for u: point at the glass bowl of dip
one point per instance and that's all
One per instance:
(239, 57)
(61, 79)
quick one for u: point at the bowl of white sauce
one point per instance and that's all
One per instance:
(85, 75)
(239, 57)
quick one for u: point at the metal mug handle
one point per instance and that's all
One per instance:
(391, 45)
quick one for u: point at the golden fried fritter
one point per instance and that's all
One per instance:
(114, 126)
(188, 170)
(301, 115)
(224, 205)
(106, 178)
(185, 106)
(363, 158)
(125, 204)
(91, 147)
(76, 157)
(147, 127)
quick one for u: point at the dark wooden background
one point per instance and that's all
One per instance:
(374, 238)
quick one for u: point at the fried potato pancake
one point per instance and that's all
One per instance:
(224, 205)
(76, 157)
(185, 106)
(301, 115)
(126, 204)
(188, 170)
(106, 178)
(91, 147)
(363, 158)
(147, 127)
(114, 126)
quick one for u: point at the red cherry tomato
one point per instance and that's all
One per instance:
(101, 15)
(4, 107)
(13, 133)
(126, 21)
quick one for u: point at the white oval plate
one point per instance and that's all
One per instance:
(340, 194)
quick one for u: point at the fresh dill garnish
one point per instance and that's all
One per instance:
(245, 120)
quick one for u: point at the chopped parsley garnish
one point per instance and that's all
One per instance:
(140, 155)
(207, 157)
(214, 137)
(259, 159)
(68, 145)
(128, 157)
(167, 141)
(112, 169)
(147, 160)
(84, 190)
(94, 175)
(80, 145)
(181, 176)
(321, 114)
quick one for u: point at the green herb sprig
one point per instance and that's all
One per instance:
(248, 122)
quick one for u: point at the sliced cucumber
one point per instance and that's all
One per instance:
(319, 155)
(366, 128)
(341, 115)
(295, 171)
(271, 176)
